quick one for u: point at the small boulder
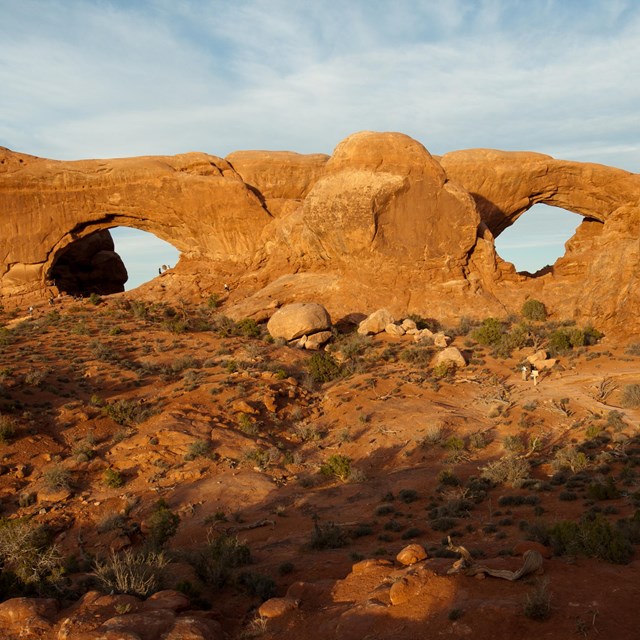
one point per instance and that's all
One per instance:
(440, 340)
(411, 554)
(375, 323)
(297, 319)
(450, 354)
(409, 325)
(275, 607)
(394, 329)
(423, 335)
(316, 340)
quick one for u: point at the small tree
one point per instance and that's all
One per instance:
(534, 310)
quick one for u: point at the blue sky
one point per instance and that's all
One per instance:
(83, 79)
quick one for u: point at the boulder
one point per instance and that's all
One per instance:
(450, 354)
(411, 554)
(395, 330)
(375, 323)
(440, 340)
(298, 319)
(316, 340)
(275, 607)
(409, 325)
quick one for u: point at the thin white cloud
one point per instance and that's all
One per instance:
(114, 78)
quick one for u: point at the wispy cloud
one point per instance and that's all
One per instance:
(102, 79)
(82, 78)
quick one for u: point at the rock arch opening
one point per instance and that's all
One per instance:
(537, 238)
(143, 253)
(110, 261)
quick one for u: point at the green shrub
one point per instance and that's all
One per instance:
(534, 310)
(112, 478)
(198, 449)
(131, 572)
(559, 342)
(162, 524)
(127, 412)
(323, 367)
(95, 299)
(603, 490)
(337, 466)
(7, 428)
(248, 327)
(593, 537)
(258, 585)
(489, 332)
(328, 536)
(221, 554)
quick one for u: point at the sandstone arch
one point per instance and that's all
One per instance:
(195, 201)
(505, 184)
(380, 222)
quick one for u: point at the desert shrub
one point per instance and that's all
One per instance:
(509, 470)
(127, 412)
(27, 552)
(518, 337)
(95, 299)
(534, 310)
(408, 495)
(630, 396)
(257, 584)
(445, 369)
(603, 490)
(247, 425)
(593, 537)
(489, 332)
(308, 432)
(385, 509)
(323, 367)
(162, 524)
(514, 444)
(221, 554)
(411, 533)
(434, 434)
(7, 428)
(337, 466)
(198, 449)
(537, 604)
(248, 327)
(569, 458)
(57, 478)
(632, 350)
(630, 527)
(328, 536)
(112, 478)
(131, 572)
(559, 342)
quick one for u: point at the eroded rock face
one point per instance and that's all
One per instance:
(380, 223)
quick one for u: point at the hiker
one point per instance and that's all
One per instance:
(534, 376)
(525, 372)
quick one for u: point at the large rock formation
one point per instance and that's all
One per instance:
(379, 223)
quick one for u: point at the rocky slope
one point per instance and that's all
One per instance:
(167, 428)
